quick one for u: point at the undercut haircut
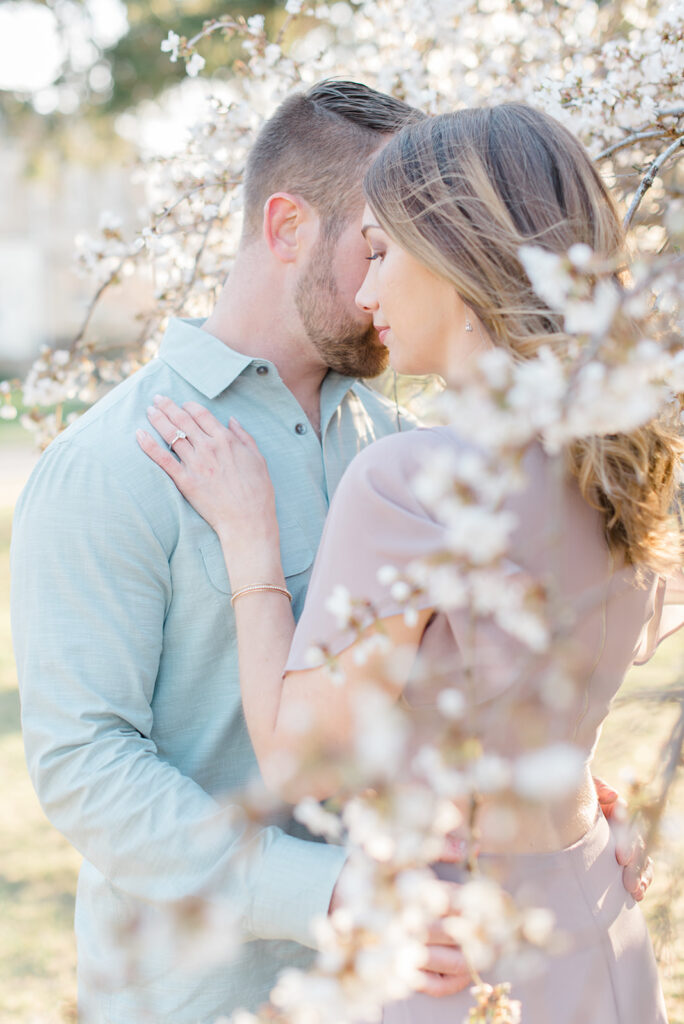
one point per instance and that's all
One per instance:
(318, 145)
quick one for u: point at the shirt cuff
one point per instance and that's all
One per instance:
(294, 886)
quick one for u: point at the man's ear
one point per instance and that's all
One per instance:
(289, 224)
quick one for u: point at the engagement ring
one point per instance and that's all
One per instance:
(180, 435)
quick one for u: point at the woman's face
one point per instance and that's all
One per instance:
(418, 315)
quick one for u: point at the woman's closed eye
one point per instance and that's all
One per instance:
(375, 256)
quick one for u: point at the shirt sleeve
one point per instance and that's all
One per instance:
(90, 591)
(667, 617)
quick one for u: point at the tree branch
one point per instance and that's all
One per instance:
(195, 266)
(95, 299)
(670, 112)
(111, 278)
(629, 141)
(213, 26)
(651, 175)
(672, 753)
(187, 195)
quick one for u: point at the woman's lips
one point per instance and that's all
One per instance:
(382, 332)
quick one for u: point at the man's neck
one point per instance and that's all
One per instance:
(244, 321)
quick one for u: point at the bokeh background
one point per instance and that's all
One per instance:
(84, 91)
(84, 88)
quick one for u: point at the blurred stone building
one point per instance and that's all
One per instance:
(42, 299)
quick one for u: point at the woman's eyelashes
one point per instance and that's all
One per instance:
(375, 256)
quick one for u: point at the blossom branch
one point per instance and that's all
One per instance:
(196, 264)
(630, 140)
(672, 755)
(650, 178)
(107, 283)
(114, 274)
(670, 112)
(209, 27)
(284, 27)
(227, 183)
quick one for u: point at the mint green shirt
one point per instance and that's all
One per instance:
(126, 651)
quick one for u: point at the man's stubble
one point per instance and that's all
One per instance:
(343, 343)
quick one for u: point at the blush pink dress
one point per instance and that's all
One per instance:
(606, 973)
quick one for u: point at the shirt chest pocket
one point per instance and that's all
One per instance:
(295, 549)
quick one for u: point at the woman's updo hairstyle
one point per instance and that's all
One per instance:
(462, 193)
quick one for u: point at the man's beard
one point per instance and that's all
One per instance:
(344, 345)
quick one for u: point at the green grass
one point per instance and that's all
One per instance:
(12, 431)
(38, 867)
(631, 747)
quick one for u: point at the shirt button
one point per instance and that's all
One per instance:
(261, 370)
(300, 428)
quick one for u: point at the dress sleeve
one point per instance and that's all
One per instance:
(375, 520)
(667, 617)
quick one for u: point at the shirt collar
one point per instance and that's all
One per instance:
(210, 366)
(204, 361)
(333, 389)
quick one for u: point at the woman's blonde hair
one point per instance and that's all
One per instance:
(462, 193)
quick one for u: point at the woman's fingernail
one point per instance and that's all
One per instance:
(158, 398)
(141, 435)
(151, 411)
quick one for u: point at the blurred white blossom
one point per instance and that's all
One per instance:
(615, 83)
(195, 65)
(340, 605)
(171, 45)
(549, 773)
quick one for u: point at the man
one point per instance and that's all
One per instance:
(123, 628)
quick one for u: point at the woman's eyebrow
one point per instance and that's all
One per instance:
(367, 227)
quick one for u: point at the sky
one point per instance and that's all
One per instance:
(36, 40)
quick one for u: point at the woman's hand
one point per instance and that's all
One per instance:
(220, 471)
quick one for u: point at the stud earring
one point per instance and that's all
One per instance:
(468, 326)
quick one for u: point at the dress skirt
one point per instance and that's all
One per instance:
(606, 972)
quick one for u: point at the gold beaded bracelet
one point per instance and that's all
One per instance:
(260, 586)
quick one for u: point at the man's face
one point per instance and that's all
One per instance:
(343, 336)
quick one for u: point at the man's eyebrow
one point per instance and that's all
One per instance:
(367, 227)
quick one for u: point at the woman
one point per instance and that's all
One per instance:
(450, 202)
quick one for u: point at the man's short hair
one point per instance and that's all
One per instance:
(317, 145)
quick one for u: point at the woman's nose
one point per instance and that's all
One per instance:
(365, 299)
